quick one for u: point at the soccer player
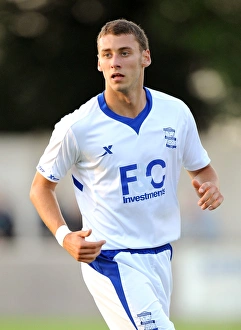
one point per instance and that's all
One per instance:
(125, 148)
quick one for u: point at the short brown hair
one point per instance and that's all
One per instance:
(122, 26)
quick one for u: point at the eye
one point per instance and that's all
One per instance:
(107, 55)
(125, 53)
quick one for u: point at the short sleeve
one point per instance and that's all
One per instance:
(195, 156)
(60, 154)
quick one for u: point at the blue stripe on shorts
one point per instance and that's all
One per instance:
(105, 265)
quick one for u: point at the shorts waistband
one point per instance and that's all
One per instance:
(112, 253)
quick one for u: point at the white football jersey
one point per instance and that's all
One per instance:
(125, 171)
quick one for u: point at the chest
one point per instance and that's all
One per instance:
(113, 143)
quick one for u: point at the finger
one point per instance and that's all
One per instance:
(207, 186)
(208, 191)
(205, 203)
(88, 255)
(92, 245)
(210, 202)
(88, 259)
(196, 184)
(85, 254)
(216, 203)
(206, 199)
(84, 233)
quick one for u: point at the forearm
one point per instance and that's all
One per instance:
(207, 174)
(44, 200)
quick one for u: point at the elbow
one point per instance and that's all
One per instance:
(32, 194)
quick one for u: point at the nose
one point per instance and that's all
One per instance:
(115, 61)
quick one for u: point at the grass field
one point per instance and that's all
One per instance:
(63, 324)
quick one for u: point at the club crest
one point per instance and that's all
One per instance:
(170, 137)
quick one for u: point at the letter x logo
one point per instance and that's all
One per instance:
(107, 151)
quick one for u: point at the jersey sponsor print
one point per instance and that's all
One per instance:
(140, 182)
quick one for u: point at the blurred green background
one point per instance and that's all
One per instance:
(48, 68)
(48, 55)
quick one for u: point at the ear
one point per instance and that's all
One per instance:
(98, 65)
(146, 58)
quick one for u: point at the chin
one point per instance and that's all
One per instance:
(120, 89)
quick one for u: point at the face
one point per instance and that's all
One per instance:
(122, 62)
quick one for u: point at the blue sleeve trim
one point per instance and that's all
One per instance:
(77, 184)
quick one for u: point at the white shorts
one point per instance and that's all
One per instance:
(132, 288)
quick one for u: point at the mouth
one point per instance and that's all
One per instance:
(117, 75)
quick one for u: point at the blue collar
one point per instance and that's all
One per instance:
(134, 123)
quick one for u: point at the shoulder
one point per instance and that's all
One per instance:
(163, 97)
(169, 103)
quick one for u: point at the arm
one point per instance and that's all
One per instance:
(43, 196)
(205, 182)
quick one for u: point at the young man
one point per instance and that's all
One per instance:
(125, 148)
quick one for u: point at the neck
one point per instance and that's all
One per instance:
(126, 104)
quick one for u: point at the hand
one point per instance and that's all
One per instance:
(210, 196)
(80, 249)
